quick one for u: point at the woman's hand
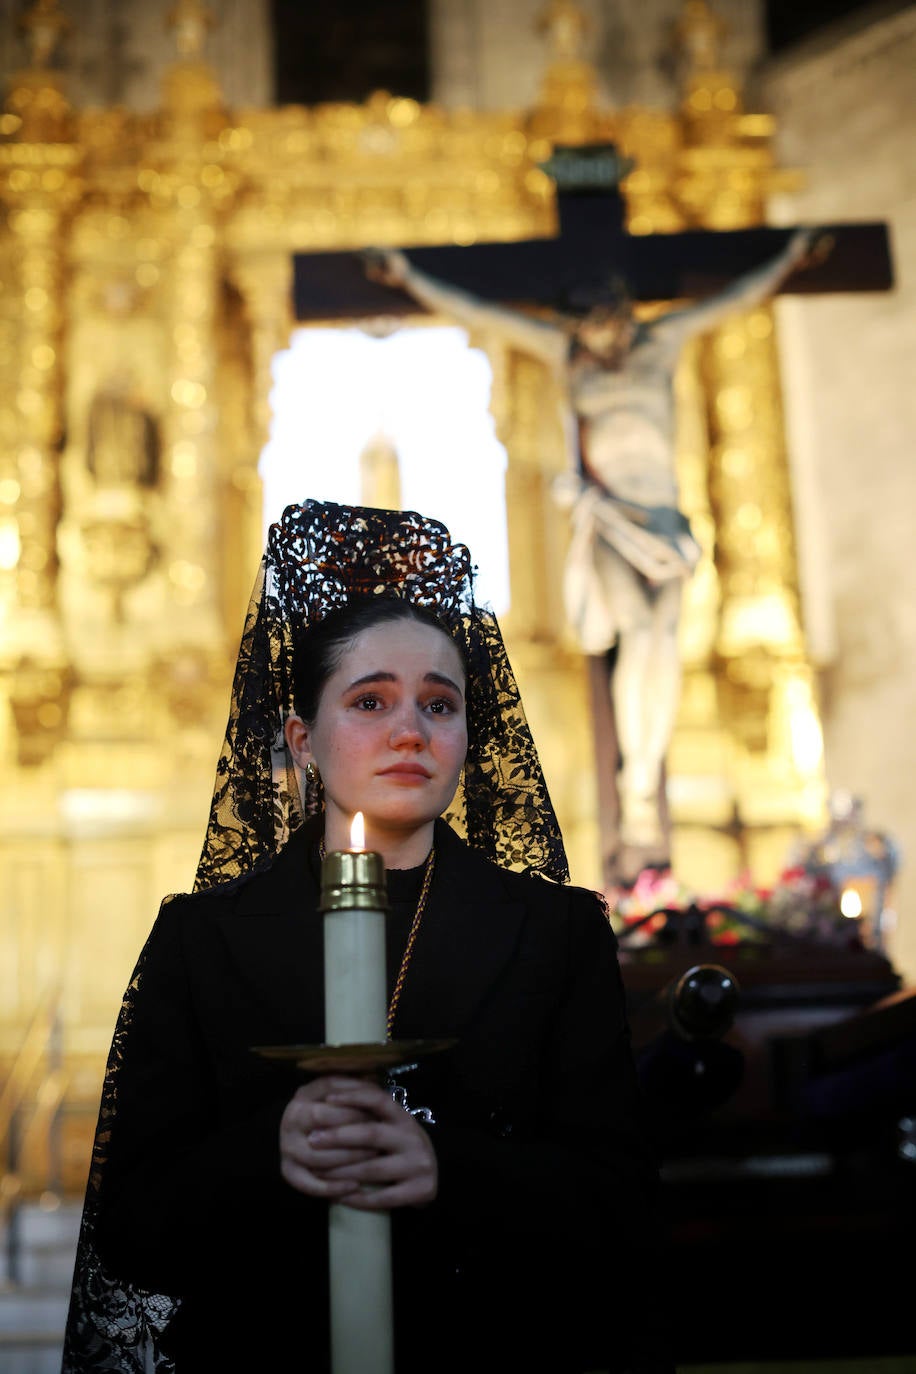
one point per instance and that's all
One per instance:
(346, 1140)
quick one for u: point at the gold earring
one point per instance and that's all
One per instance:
(311, 772)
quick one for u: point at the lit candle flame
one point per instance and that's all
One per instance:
(358, 832)
(850, 903)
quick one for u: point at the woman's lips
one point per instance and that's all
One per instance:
(406, 770)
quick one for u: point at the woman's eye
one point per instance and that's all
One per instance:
(367, 703)
(440, 707)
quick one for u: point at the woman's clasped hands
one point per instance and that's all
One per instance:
(346, 1140)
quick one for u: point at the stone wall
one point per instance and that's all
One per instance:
(846, 108)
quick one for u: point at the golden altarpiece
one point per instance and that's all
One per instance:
(146, 270)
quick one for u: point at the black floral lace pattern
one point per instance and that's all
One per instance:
(112, 1327)
(319, 556)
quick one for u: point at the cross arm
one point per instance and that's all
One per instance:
(682, 266)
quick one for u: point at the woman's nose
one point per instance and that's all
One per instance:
(408, 727)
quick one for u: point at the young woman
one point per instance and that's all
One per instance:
(523, 1196)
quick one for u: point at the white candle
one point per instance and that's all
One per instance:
(354, 901)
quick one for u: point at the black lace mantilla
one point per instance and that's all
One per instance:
(319, 555)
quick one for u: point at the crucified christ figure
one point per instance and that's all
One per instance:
(631, 547)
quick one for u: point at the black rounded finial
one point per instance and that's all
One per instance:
(703, 1001)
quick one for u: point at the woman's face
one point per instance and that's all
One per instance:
(389, 737)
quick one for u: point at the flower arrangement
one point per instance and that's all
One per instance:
(800, 903)
(833, 890)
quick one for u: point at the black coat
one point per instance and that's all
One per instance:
(541, 1244)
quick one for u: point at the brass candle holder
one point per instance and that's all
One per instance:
(353, 879)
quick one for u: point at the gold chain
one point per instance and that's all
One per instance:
(411, 938)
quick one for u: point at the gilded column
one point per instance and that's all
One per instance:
(39, 180)
(189, 185)
(550, 668)
(525, 405)
(265, 282)
(765, 683)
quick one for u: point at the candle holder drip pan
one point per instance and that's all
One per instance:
(359, 1058)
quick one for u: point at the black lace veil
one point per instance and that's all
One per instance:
(319, 556)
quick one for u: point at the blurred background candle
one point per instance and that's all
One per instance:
(354, 901)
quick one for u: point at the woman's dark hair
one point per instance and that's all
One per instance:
(318, 650)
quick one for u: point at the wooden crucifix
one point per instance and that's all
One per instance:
(631, 548)
(593, 244)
